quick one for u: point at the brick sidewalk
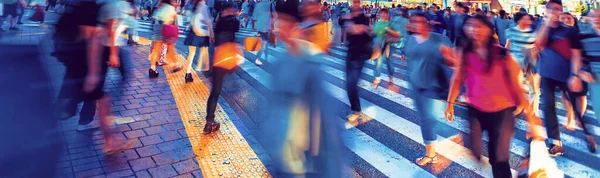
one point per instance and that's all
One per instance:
(144, 111)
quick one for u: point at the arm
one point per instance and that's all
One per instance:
(393, 33)
(456, 83)
(114, 50)
(507, 44)
(542, 36)
(23, 3)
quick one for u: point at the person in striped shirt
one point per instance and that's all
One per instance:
(520, 41)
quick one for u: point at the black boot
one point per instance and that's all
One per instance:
(188, 78)
(152, 73)
(211, 126)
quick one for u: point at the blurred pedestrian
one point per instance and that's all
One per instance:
(492, 107)
(426, 62)
(263, 17)
(360, 49)
(199, 37)
(165, 15)
(384, 33)
(560, 49)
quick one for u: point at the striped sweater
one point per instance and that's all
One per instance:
(519, 40)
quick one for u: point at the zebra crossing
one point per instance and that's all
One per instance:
(145, 26)
(389, 140)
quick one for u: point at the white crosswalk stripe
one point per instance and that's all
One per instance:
(573, 166)
(146, 26)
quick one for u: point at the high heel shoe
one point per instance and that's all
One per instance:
(423, 161)
(211, 127)
(152, 73)
(188, 78)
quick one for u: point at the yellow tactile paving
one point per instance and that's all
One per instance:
(222, 154)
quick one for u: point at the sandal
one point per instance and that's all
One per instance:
(423, 161)
(211, 127)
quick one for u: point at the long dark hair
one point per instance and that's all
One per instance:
(491, 42)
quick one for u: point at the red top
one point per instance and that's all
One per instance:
(487, 91)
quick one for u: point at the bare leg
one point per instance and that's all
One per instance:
(190, 58)
(156, 49)
(570, 125)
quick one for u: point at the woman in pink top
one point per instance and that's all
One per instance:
(494, 95)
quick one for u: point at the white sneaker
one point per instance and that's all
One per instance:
(258, 63)
(92, 125)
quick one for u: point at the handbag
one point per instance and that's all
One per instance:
(170, 33)
(540, 162)
(252, 43)
(228, 56)
(38, 15)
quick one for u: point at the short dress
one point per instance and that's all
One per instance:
(194, 40)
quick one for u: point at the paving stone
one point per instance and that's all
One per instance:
(140, 96)
(149, 103)
(146, 110)
(142, 164)
(123, 173)
(131, 154)
(154, 130)
(150, 140)
(111, 167)
(165, 158)
(162, 171)
(123, 120)
(86, 166)
(174, 126)
(157, 121)
(135, 133)
(183, 133)
(188, 175)
(130, 112)
(138, 125)
(162, 102)
(151, 98)
(172, 145)
(133, 106)
(83, 155)
(118, 108)
(186, 166)
(137, 101)
(89, 173)
(143, 91)
(185, 153)
(197, 174)
(121, 102)
(170, 135)
(142, 117)
(142, 174)
(78, 162)
(148, 151)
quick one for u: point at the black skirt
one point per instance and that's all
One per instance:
(198, 41)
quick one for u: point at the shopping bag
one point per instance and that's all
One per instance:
(272, 39)
(228, 56)
(252, 43)
(170, 33)
(540, 162)
(38, 15)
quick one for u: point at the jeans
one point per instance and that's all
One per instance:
(217, 85)
(500, 126)
(353, 70)
(264, 46)
(429, 109)
(594, 89)
(380, 62)
(548, 87)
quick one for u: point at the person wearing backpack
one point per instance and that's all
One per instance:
(492, 106)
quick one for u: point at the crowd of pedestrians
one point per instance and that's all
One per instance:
(449, 53)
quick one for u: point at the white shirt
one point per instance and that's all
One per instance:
(166, 13)
(114, 9)
(201, 20)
